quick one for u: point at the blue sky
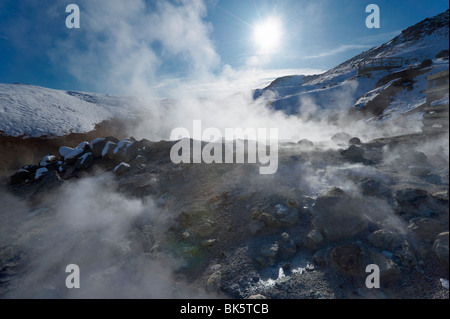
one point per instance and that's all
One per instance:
(130, 47)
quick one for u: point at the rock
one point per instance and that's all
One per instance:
(259, 297)
(270, 251)
(408, 200)
(186, 235)
(372, 187)
(287, 248)
(440, 248)
(20, 177)
(208, 243)
(286, 216)
(354, 154)
(348, 259)
(108, 150)
(315, 238)
(354, 141)
(97, 147)
(269, 220)
(204, 229)
(85, 146)
(306, 144)
(389, 270)
(122, 169)
(337, 215)
(31, 168)
(425, 228)
(140, 160)
(65, 150)
(383, 239)
(126, 150)
(72, 157)
(255, 226)
(341, 138)
(419, 171)
(48, 160)
(214, 282)
(441, 197)
(406, 255)
(85, 161)
(415, 158)
(99, 144)
(40, 173)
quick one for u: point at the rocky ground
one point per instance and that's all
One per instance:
(140, 226)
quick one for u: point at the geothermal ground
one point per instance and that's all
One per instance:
(152, 229)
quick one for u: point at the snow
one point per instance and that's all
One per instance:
(76, 152)
(34, 111)
(82, 145)
(40, 172)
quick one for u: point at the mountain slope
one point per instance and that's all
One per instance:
(342, 88)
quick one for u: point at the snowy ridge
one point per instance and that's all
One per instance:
(342, 88)
(36, 111)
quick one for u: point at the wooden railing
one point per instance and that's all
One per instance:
(379, 64)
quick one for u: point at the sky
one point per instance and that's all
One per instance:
(163, 48)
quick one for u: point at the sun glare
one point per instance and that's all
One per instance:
(267, 35)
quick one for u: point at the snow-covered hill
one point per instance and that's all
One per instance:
(36, 111)
(342, 88)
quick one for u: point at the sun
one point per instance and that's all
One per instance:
(267, 35)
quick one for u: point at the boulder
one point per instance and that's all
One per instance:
(48, 160)
(383, 239)
(372, 187)
(306, 144)
(419, 171)
(354, 141)
(440, 248)
(425, 228)
(287, 248)
(85, 161)
(40, 173)
(98, 145)
(122, 169)
(65, 150)
(21, 176)
(409, 199)
(315, 238)
(389, 270)
(338, 215)
(214, 282)
(108, 150)
(270, 251)
(72, 157)
(354, 154)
